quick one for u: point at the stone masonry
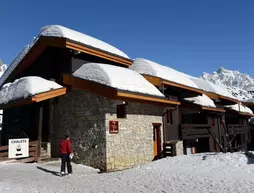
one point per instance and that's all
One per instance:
(85, 116)
(133, 144)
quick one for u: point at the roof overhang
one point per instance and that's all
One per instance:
(35, 99)
(221, 99)
(114, 93)
(157, 81)
(248, 104)
(239, 112)
(43, 42)
(187, 104)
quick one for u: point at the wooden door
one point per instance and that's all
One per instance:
(156, 140)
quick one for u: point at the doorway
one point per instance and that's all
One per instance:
(157, 139)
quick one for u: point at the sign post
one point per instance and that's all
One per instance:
(18, 148)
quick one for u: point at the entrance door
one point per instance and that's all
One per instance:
(156, 140)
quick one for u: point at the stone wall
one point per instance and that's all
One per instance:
(133, 144)
(82, 116)
(85, 116)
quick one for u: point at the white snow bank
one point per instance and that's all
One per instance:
(117, 77)
(148, 67)
(201, 100)
(242, 109)
(220, 173)
(60, 31)
(25, 87)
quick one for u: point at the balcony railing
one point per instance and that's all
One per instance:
(238, 129)
(194, 131)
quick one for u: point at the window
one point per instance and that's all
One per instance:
(121, 111)
(170, 117)
(213, 121)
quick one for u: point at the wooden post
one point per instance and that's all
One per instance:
(39, 128)
(218, 117)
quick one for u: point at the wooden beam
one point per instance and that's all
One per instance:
(229, 99)
(49, 94)
(60, 42)
(170, 83)
(213, 109)
(190, 105)
(211, 95)
(113, 93)
(39, 128)
(98, 53)
(248, 104)
(239, 113)
(146, 98)
(89, 86)
(246, 114)
(153, 80)
(35, 99)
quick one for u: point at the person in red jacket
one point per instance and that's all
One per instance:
(66, 155)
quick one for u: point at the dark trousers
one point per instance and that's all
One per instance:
(66, 160)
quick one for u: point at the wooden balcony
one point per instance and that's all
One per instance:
(191, 131)
(238, 129)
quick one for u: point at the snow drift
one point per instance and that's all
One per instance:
(147, 67)
(25, 87)
(60, 31)
(117, 77)
(202, 101)
(239, 108)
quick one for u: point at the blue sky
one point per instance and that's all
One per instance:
(192, 36)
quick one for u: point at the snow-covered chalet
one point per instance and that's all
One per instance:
(118, 112)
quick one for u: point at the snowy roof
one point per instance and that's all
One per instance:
(60, 31)
(202, 101)
(242, 109)
(151, 68)
(117, 77)
(147, 67)
(210, 87)
(25, 87)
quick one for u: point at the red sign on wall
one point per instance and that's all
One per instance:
(113, 127)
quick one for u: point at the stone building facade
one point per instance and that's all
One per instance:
(85, 116)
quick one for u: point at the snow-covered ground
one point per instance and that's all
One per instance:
(192, 173)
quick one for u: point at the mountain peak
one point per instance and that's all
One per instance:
(239, 84)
